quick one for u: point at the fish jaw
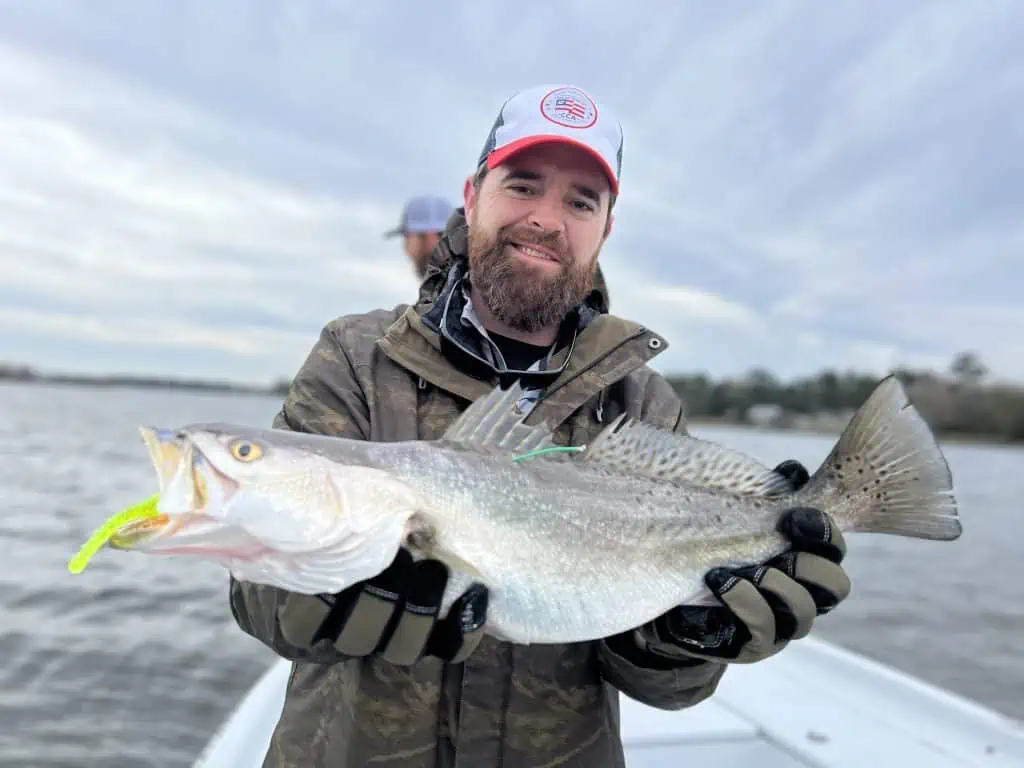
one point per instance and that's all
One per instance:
(165, 452)
(189, 483)
(193, 533)
(193, 494)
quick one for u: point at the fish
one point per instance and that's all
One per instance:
(573, 543)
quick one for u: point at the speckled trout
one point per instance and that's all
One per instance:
(574, 543)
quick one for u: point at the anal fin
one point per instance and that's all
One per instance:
(635, 447)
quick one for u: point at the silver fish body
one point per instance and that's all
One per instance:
(572, 547)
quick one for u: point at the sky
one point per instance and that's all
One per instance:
(194, 189)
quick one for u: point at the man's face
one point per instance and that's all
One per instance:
(536, 228)
(418, 247)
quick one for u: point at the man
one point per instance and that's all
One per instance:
(509, 293)
(422, 223)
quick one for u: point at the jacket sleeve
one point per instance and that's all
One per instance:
(324, 398)
(660, 685)
(654, 681)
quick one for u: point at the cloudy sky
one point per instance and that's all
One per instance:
(195, 188)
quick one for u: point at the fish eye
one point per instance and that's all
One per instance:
(245, 450)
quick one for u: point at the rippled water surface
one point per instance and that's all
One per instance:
(135, 661)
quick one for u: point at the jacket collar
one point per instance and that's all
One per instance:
(465, 342)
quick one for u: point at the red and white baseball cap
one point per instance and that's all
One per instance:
(556, 113)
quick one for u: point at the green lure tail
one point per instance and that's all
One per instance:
(95, 542)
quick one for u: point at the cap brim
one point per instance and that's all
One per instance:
(499, 156)
(394, 232)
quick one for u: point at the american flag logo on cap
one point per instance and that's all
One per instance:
(569, 107)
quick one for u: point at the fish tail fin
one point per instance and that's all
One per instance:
(887, 474)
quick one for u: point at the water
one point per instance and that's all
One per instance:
(135, 661)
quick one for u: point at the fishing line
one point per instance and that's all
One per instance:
(553, 449)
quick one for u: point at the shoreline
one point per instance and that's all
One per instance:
(280, 389)
(147, 382)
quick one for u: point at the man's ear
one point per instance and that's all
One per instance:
(608, 224)
(469, 195)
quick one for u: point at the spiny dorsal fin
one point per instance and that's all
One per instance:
(630, 446)
(494, 423)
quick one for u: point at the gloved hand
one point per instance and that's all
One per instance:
(394, 614)
(764, 606)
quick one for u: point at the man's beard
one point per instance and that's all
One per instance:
(522, 296)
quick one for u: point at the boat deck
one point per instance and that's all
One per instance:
(812, 705)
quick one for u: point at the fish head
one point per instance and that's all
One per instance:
(240, 496)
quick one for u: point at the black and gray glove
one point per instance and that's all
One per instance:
(765, 606)
(393, 615)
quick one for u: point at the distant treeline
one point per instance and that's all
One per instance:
(955, 402)
(15, 372)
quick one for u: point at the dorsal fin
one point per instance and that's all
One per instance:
(494, 422)
(635, 447)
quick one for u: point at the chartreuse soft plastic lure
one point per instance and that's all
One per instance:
(95, 542)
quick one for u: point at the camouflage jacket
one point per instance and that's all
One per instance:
(383, 376)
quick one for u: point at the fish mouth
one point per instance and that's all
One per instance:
(189, 481)
(192, 533)
(192, 490)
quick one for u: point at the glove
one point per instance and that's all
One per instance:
(393, 615)
(765, 606)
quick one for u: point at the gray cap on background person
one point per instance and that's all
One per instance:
(422, 214)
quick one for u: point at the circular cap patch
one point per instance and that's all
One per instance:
(569, 107)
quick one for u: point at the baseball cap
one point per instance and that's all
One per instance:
(425, 213)
(556, 113)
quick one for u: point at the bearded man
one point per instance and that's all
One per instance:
(513, 291)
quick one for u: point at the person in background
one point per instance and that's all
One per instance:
(510, 293)
(423, 221)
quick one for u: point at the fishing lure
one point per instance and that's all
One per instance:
(102, 534)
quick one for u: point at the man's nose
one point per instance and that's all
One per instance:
(546, 213)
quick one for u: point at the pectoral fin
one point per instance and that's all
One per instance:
(420, 538)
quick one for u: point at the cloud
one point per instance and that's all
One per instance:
(197, 191)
